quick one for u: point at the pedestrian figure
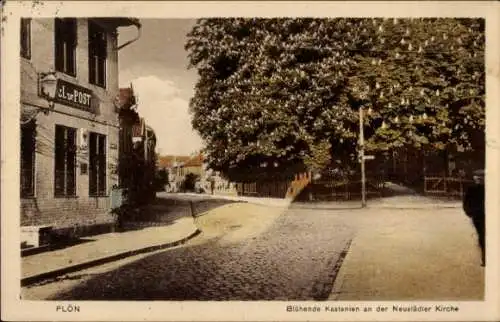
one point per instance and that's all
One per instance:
(473, 205)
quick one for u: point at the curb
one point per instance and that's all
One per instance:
(399, 207)
(284, 202)
(34, 250)
(103, 260)
(411, 207)
(339, 272)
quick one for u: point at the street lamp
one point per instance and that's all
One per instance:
(47, 84)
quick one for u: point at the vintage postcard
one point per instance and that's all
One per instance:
(261, 161)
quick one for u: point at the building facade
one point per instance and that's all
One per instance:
(70, 139)
(173, 165)
(137, 157)
(208, 181)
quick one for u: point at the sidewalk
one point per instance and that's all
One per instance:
(412, 255)
(413, 202)
(100, 249)
(396, 202)
(402, 197)
(273, 202)
(168, 222)
(406, 201)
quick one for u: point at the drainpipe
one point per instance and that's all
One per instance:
(138, 26)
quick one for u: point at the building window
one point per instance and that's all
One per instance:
(97, 54)
(65, 162)
(26, 38)
(97, 159)
(28, 139)
(65, 45)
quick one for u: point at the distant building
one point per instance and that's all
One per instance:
(69, 119)
(172, 164)
(137, 162)
(128, 117)
(180, 166)
(193, 165)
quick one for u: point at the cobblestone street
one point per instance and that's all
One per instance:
(295, 259)
(244, 166)
(305, 252)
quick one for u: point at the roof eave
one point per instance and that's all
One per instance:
(117, 22)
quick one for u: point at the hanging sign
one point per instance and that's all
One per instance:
(73, 95)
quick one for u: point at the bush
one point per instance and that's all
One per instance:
(189, 182)
(161, 179)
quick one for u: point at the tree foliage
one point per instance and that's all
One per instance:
(280, 91)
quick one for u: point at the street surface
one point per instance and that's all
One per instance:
(295, 259)
(253, 252)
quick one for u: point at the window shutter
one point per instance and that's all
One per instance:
(71, 162)
(59, 161)
(102, 164)
(92, 161)
(59, 45)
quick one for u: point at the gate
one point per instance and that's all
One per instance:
(446, 186)
(346, 186)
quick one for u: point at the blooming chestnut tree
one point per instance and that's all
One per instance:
(276, 93)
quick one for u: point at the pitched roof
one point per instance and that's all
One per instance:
(126, 97)
(195, 161)
(167, 161)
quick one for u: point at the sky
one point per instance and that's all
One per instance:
(156, 65)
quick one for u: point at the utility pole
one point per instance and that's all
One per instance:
(362, 157)
(145, 142)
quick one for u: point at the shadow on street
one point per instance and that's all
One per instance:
(289, 261)
(165, 210)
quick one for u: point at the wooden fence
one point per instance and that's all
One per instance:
(449, 186)
(274, 189)
(345, 189)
